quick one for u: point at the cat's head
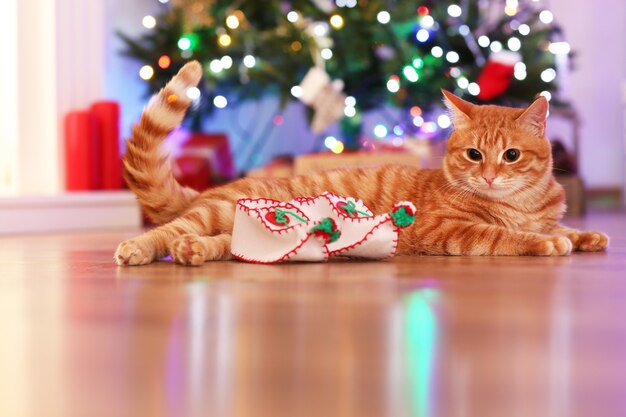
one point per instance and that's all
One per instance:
(497, 151)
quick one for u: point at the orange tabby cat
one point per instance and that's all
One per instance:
(494, 196)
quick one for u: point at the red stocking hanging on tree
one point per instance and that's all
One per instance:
(497, 74)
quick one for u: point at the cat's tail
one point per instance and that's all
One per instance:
(148, 171)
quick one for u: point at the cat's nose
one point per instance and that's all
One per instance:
(489, 179)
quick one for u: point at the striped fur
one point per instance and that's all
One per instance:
(459, 212)
(148, 172)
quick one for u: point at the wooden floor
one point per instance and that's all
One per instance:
(424, 336)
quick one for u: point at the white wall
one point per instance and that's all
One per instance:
(54, 63)
(597, 33)
(8, 109)
(28, 144)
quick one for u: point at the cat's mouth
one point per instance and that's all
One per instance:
(494, 189)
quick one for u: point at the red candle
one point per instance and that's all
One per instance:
(106, 115)
(81, 163)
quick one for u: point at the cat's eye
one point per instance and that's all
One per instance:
(474, 155)
(511, 155)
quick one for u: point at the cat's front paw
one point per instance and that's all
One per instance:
(188, 250)
(131, 252)
(589, 241)
(552, 246)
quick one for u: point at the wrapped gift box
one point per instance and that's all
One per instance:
(201, 160)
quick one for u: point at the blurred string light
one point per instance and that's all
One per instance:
(220, 102)
(464, 30)
(444, 121)
(346, 3)
(546, 16)
(326, 53)
(226, 62)
(296, 91)
(350, 110)
(184, 43)
(335, 145)
(336, 21)
(523, 29)
(495, 46)
(330, 142)
(519, 71)
(320, 29)
(149, 22)
(146, 72)
(455, 72)
(383, 17)
(484, 41)
(193, 93)
(418, 63)
(548, 75)
(462, 82)
(559, 48)
(393, 84)
(547, 95)
(398, 130)
(380, 131)
(338, 148)
(216, 66)
(429, 127)
(422, 35)
(418, 121)
(224, 40)
(410, 73)
(514, 44)
(249, 61)
(293, 16)
(232, 22)
(164, 1)
(452, 57)
(437, 52)
(164, 62)
(278, 120)
(473, 89)
(397, 141)
(427, 21)
(454, 10)
(423, 11)
(511, 7)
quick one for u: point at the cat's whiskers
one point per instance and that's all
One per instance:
(450, 184)
(462, 192)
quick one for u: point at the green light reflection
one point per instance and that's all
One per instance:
(421, 340)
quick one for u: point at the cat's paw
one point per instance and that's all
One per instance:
(552, 246)
(131, 252)
(589, 241)
(188, 250)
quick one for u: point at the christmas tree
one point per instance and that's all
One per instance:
(384, 53)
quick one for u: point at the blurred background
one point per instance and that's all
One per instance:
(296, 86)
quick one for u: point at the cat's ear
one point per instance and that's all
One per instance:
(534, 117)
(459, 108)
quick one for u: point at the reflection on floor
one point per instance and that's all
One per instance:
(423, 336)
